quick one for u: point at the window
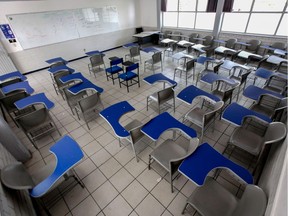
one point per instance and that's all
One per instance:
(267, 17)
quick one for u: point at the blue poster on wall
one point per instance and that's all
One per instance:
(7, 31)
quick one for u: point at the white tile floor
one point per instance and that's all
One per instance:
(115, 184)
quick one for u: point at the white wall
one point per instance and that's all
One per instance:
(33, 59)
(149, 13)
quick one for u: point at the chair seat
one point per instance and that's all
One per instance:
(247, 140)
(213, 200)
(166, 152)
(114, 69)
(128, 75)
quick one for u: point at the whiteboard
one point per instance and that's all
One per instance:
(44, 28)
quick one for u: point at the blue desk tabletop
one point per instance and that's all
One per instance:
(33, 100)
(263, 73)
(112, 115)
(159, 77)
(67, 153)
(188, 94)
(210, 78)
(280, 52)
(60, 68)
(254, 92)
(128, 45)
(18, 86)
(204, 159)
(94, 52)
(203, 59)
(15, 74)
(83, 86)
(234, 113)
(150, 49)
(73, 77)
(55, 60)
(163, 122)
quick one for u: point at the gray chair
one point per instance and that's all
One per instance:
(58, 85)
(135, 134)
(156, 58)
(71, 99)
(37, 124)
(88, 107)
(208, 40)
(277, 45)
(186, 68)
(254, 46)
(161, 97)
(171, 49)
(224, 90)
(269, 105)
(95, 62)
(170, 154)
(282, 67)
(276, 84)
(212, 199)
(230, 44)
(203, 118)
(253, 135)
(133, 53)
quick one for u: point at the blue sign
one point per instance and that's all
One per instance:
(7, 31)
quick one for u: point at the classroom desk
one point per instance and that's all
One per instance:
(33, 100)
(150, 49)
(12, 75)
(146, 34)
(55, 70)
(18, 86)
(83, 86)
(210, 78)
(129, 45)
(55, 60)
(94, 52)
(112, 115)
(159, 77)
(280, 52)
(73, 77)
(163, 122)
(234, 114)
(188, 94)
(245, 55)
(221, 49)
(204, 159)
(276, 59)
(254, 92)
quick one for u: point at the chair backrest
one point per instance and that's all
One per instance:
(60, 74)
(136, 134)
(56, 64)
(165, 94)
(8, 101)
(268, 101)
(255, 125)
(211, 114)
(33, 119)
(96, 60)
(173, 46)
(71, 98)
(275, 132)
(252, 203)
(225, 88)
(190, 64)
(279, 45)
(134, 51)
(282, 67)
(174, 37)
(192, 36)
(208, 40)
(89, 102)
(231, 43)
(166, 34)
(255, 44)
(116, 62)
(276, 83)
(157, 57)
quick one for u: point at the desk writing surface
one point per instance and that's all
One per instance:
(234, 113)
(129, 45)
(185, 43)
(254, 92)
(55, 60)
(18, 86)
(112, 115)
(211, 77)
(73, 77)
(245, 55)
(204, 159)
(163, 122)
(221, 49)
(280, 52)
(180, 55)
(168, 40)
(276, 59)
(188, 94)
(159, 77)
(34, 99)
(12, 75)
(83, 86)
(54, 70)
(228, 65)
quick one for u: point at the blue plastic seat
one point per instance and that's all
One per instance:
(130, 77)
(114, 69)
